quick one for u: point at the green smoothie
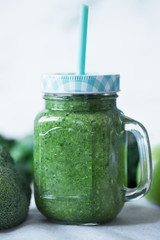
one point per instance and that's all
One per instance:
(79, 159)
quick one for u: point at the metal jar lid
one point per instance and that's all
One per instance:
(80, 84)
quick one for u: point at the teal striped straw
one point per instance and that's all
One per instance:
(83, 39)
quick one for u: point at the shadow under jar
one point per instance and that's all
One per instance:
(80, 158)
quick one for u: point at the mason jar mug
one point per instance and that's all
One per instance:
(80, 151)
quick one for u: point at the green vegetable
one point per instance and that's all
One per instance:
(15, 192)
(5, 158)
(22, 153)
(8, 143)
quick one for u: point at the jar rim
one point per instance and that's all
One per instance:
(76, 97)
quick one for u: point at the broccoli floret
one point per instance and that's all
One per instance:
(23, 178)
(5, 158)
(21, 151)
(7, 142)
(15, 192)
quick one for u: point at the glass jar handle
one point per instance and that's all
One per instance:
(140, 133)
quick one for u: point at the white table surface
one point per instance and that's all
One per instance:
(138, 220)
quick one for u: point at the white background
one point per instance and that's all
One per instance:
(41, 36)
